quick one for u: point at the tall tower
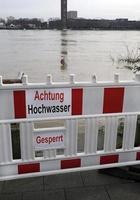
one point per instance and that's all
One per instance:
(64, 13)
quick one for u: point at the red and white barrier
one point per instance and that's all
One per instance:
(29, 103)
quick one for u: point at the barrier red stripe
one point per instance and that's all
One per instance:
(113, 100)
(77, 101)
(138, 156)
(28, 168)
(109, 159)
(73, 163)
(19, 104)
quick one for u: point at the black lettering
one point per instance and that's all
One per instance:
(68, 108)
(65, 108)
(61, 108)
(43, 108)
(53, 109)
(35, 110)
(57, 108)
(39, 110)
(30, 109)
(49, 109)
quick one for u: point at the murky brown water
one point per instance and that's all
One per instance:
(38, 53)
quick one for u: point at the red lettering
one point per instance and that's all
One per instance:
(61, 137)
(49, 140)
(36, 96)
(49, 96)
(54, 139)
(43, 140)
(38, 139)
(41, 96)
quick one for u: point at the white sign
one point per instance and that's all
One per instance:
(49, 139)
(48, 102)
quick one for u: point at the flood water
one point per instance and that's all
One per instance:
(38, 53)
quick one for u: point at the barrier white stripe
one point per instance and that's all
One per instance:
(132, 99)
(93, 100)
(50, 165)
(127, 156)
(89, 161)
(8, 170)
(7, 104)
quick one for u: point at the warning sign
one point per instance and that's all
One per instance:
(52, 102)
(53, 139)
(42, 103)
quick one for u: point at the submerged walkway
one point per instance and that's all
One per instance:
(89, 185)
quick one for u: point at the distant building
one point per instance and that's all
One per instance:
(122, 19)
(72, 14)
(2, 20)
(32, 26)
(2, 25)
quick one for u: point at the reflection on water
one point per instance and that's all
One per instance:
(64, 50)
(65, 43)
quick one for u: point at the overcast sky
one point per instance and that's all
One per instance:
(86, 8)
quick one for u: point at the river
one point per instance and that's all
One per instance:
(38, 53)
